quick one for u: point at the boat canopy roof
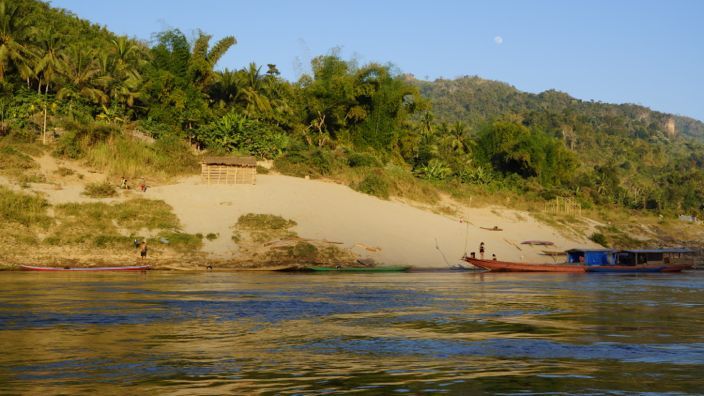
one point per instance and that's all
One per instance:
(589, 250)
(663, 250)
(591, 256)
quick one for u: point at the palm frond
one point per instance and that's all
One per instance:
(219, 49)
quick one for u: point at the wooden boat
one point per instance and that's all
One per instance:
(494, 228)
(126, 268)
(508, 266)
(600, 261)
(389, 268)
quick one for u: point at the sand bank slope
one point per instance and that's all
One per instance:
(389, 232)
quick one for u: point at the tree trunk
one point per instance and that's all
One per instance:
(46, 105)
(44, 126)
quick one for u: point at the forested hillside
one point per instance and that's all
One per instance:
(382, 132)
(473, 100)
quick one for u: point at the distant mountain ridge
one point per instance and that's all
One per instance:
(474, 100)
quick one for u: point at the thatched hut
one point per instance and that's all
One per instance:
(229, 170)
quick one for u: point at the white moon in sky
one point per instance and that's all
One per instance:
(498, 40)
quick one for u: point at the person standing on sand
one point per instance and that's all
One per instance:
(481, 250)
(143, 250)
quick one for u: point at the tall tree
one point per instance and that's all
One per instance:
(15, 24)
(203, 58)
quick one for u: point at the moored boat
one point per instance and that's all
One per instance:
(388, 268)
(508, 266)
(600, 261)
(126, 268)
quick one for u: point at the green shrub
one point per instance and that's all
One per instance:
(211, 236)
(238, 133)
(322, 161)
(80, 137)
(301, 161)
(358, 160)
(262, 170)
(304, 251)
(100, 190)
(599, 238)
(375, 184)
(181, 240)
(253, 221)
(434, 170)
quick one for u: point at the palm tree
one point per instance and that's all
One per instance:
(251, 84)
(121, 70)
(81, 72)
(14, 24)
(47, 63)
(203, 60)
(225, 89)
(46, 69)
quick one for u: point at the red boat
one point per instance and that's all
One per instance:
(601, 261)
(507, 266)
(127, 268)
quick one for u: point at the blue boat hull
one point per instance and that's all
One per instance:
(619, 269)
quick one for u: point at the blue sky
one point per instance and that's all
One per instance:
(645, 52)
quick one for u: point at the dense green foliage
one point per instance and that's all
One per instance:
(616, 154)
(60, 73)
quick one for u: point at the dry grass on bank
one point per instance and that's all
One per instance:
(269, 238)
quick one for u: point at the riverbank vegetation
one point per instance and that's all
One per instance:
(29, 220)
(269, 238)
(133, 108)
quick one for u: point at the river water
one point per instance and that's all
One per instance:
(409, 333)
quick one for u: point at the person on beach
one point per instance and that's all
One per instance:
(481, 250)
(123, 183)
(493, 257)
(136, 243)
(143, 250)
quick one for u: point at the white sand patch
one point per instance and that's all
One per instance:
(389, 232)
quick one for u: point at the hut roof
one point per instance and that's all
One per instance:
(237, 161)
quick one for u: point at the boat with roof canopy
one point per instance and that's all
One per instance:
(601, 261)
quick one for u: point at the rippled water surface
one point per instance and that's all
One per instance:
(409, 333)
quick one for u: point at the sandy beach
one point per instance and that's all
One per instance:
(388, 232)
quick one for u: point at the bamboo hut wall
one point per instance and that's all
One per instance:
(227, 174)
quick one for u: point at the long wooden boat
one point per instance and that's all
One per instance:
(127, 268)
(388, 268)
(508, 266)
